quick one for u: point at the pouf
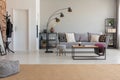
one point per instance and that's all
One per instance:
(8, 67)
(61, 49)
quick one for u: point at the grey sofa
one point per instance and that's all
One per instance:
(84, 38)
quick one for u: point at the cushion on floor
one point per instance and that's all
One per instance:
(8, 67)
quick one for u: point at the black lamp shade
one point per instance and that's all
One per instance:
(69, 9)
(57, 19)
(61, 15)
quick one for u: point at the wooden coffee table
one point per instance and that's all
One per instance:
(75, 57)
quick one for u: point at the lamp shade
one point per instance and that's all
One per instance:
(61, 15)
(69, 9)
(57, 19)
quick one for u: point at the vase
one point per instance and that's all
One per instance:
(52, 30)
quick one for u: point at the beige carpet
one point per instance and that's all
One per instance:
(67, 72)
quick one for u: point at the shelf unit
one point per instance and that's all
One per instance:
(111, 31)
(52, 40)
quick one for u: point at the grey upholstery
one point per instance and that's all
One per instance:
(8, 68)
(84, 40)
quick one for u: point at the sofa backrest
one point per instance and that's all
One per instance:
(79, 37)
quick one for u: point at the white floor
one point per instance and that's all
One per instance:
(39, 57)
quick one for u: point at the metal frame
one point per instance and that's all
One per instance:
(87, 57)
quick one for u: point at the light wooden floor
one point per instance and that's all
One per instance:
(67, 72)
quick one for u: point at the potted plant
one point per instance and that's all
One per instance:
(111, 22)
(44, 43)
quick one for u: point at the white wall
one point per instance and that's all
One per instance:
(26, 4)
(87, 15)
(38, 21)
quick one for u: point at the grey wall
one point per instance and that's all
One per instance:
(87, 15)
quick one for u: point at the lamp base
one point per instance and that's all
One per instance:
(48, 51)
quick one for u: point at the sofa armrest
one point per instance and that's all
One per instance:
(107, 40)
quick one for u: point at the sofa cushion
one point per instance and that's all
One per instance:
(102, 38)
(70, 44)
(8, 68)
(62, 37)
(77, 37)
(70, 37)
(89, 35)
(94, 38)
(83, 37)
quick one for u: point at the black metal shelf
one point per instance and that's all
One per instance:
(52, 40)
(111, 31)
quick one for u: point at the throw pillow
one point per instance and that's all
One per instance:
(77, 37)
(90, 33)
(102, 38)
(94, 38)
(8, 68)
(70, 37)
(62, 37)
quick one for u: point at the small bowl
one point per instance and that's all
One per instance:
(79, 44)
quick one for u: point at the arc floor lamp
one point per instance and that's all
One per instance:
(51, 18)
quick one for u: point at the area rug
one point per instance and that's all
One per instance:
(67, 72)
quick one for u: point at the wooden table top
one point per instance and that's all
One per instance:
(84, 46)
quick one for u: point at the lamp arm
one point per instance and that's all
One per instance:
(54, 13)
(49, 23)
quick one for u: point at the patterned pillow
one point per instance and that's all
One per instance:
(102, 38)
(62, 37)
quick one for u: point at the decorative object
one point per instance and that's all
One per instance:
(111, 22)
(79, 43)
(52, 30)
(44, 43)
(51, 18)
(111, 30)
